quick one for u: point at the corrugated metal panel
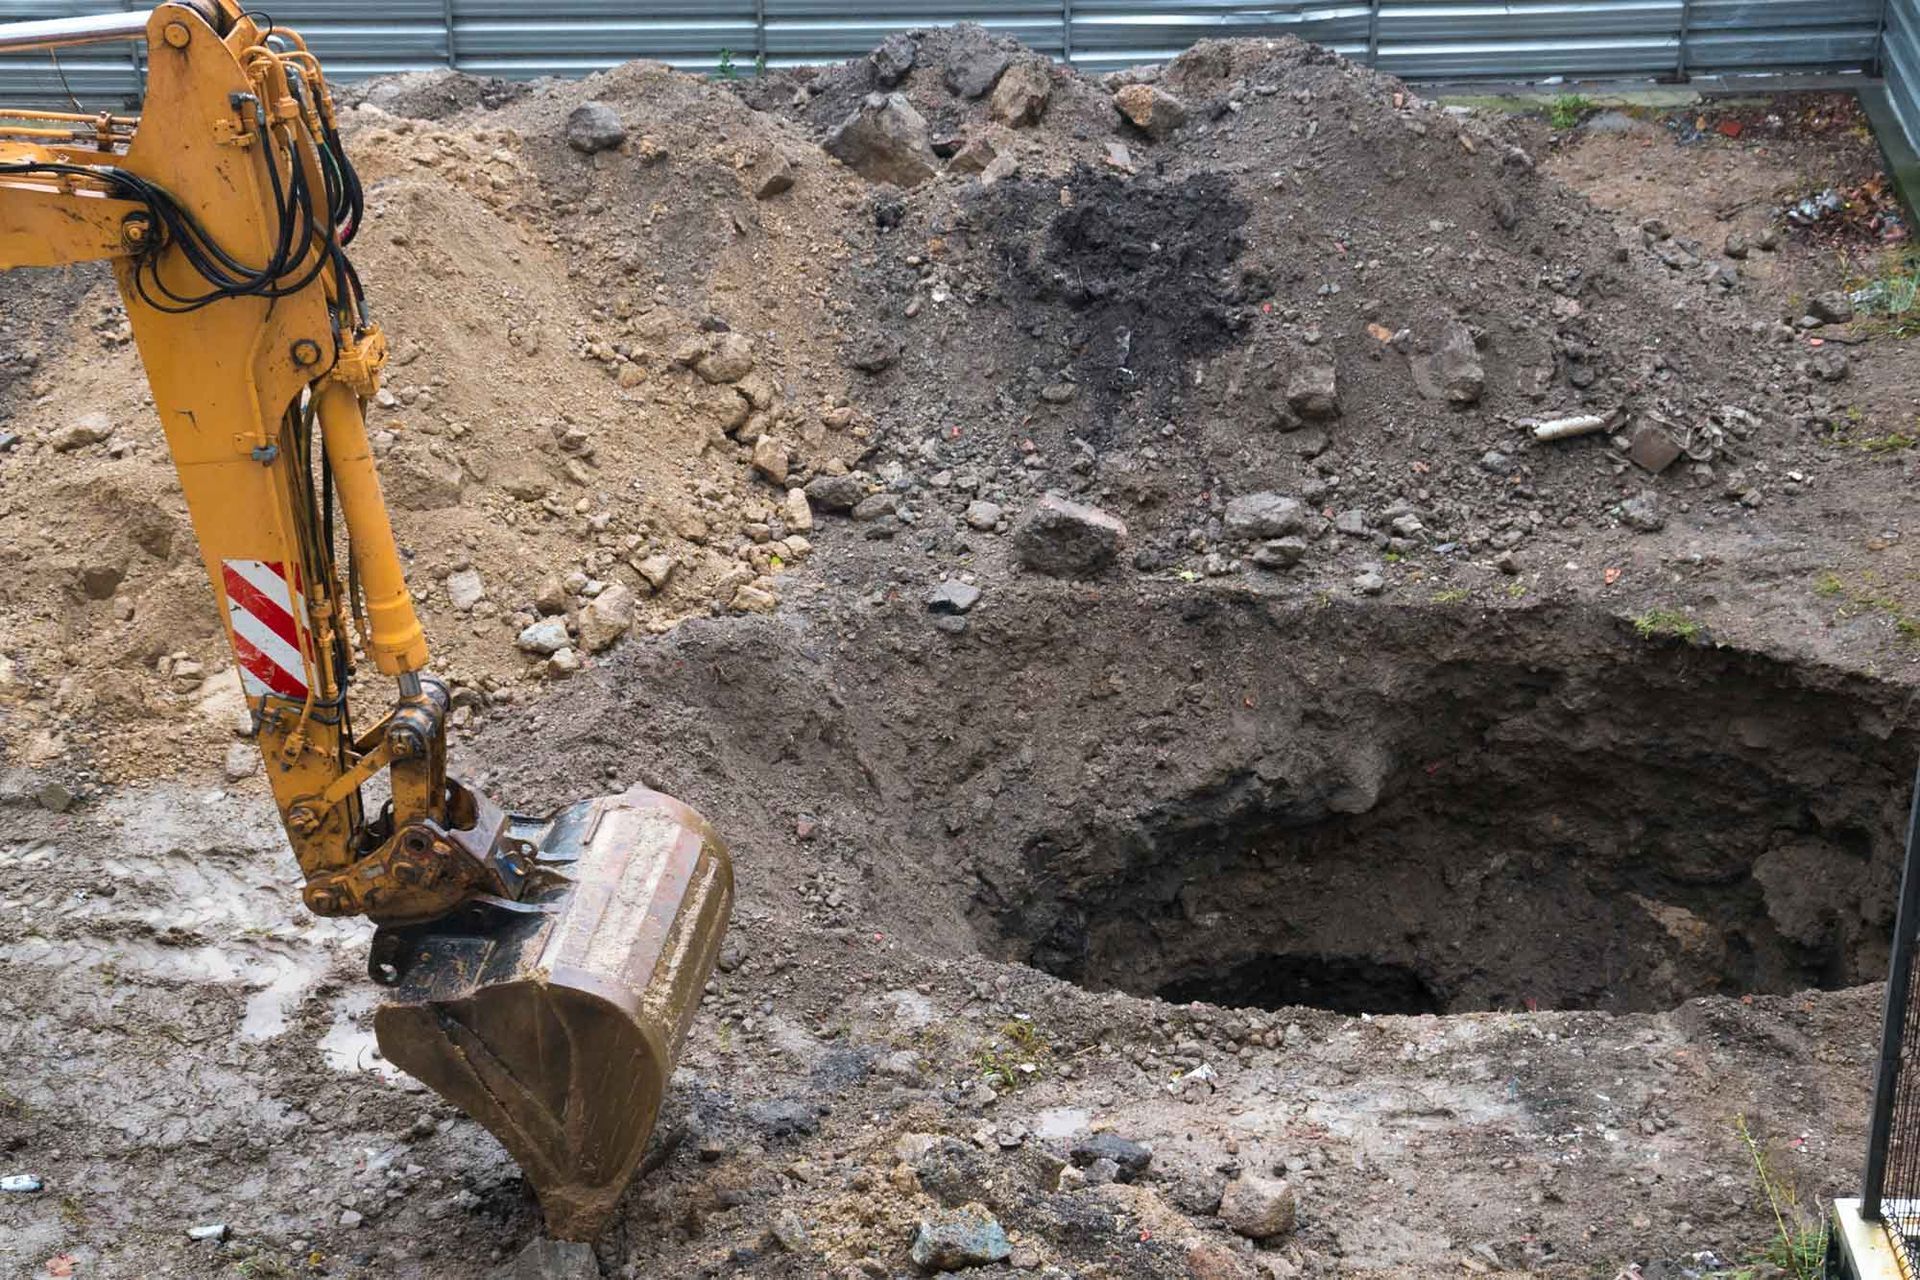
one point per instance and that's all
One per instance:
(1419, 39)
(1900, 57)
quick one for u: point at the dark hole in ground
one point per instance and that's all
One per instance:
(1345, 984)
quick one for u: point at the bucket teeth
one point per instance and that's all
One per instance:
(558, 1028)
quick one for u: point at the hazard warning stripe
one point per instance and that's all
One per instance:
(262, 609)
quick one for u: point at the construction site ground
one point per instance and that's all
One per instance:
(1493, 838)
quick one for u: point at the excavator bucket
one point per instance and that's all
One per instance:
(555, 1020)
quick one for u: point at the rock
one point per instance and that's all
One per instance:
(973, 64)
(1004, 166)
(952, 597)
(1829, 364)
(551, 596)
(550, 1260)
(983, 515)
(563, 663)
(892, 58)
(1831, 307)
(784, 1117)
(1067, 539)
(465, 590)
(1313, 392)
(1258, 1207)
(1130, 1158)
(884, 140)
(1369, 583)
(873, 352)
(1736, 246)
(657, 570)
(968, 1237)
(1280, 553)
(1021, 96)
(594, 126)
(790, 1233)
(1353, 523)
(1451, 371)
(1212, 1262)
(874, 506)
(606, 618)
(417, 479)
(243, 761)
(351, 1218)
(1264, 515)
(1642, 511)
(88, 428)
(54, 796)
(100, 580)
(1150, 109)
(728, 358)
(1654, 449)
(546, 637)
(974, 155)
(752, 599)
(1508, 563)
(796, 512)
(770, 458)
(835, 493)
(772, 175)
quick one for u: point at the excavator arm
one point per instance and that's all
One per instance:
(543, 971)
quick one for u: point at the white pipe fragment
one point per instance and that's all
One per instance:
(1565, 428)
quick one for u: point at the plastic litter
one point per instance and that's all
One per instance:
(21, 1183)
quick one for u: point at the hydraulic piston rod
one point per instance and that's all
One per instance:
(61, 33)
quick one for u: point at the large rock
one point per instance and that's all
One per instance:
(465, 589)
(884, 140)
(545, 637)
(594, 126)
(727, 358)
(892, 58)
(88, 428)
(1258, 1207)
(968, 1237)
(607, 617)
(1150, 109)
(1021, 96)
(973, 63)
(1832, 307)
(1256, 516)
(1130, 1159)
(1451, 371)
(836, 493)
(1067, 539)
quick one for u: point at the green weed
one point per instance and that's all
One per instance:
(1568, 109)
(1014, 1057)
(726, 70)
(1452, 595)
(1515, 590)
(1867, 597)
(1797, 1251)
(1667, 622)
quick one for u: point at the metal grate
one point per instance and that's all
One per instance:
(1892, 1192)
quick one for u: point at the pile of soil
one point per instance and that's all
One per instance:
(1579, 776)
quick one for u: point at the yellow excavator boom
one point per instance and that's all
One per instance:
(542, 971)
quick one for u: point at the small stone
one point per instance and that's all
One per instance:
(1020, 98)
(1507, 563)
(1736, 246)
(1451, 371)
(968, 1237)
(1259, 1207)
(728, 358)
(351, 1218)
(1067, 539)
(770, 458)
(790, 1233)
(594, 126)
(884, 140)
(796, 512)
(606, 618)
(465, 590)
(54, 797)
(952, 596)
(1264, 515)
(1642, 511)
(1313, 392)
(893, 58)
(1353, 523)
(983, 515)
(564, 663)
(1829, 364)
(1130, 1159)
(1150, 109)
(546, 637)
(657, 570)
(88, 428)
(1280, 553)
(835, 493)
(551, 597)
(875, 506)
(772, 175)
(974, 155)
(751, 599)
(1654, 449)
(243, 761)
(1369, 584)
(874, 352)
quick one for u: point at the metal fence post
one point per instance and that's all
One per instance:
(759, 33)
(1373, 35)
(1686, 29)
(1066, 31)
(1887, 1083)
(446, 17)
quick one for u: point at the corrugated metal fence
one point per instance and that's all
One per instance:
(1417, 39)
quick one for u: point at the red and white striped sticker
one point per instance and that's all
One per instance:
(263, 606)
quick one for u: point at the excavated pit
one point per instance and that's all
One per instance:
(1361, 808)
